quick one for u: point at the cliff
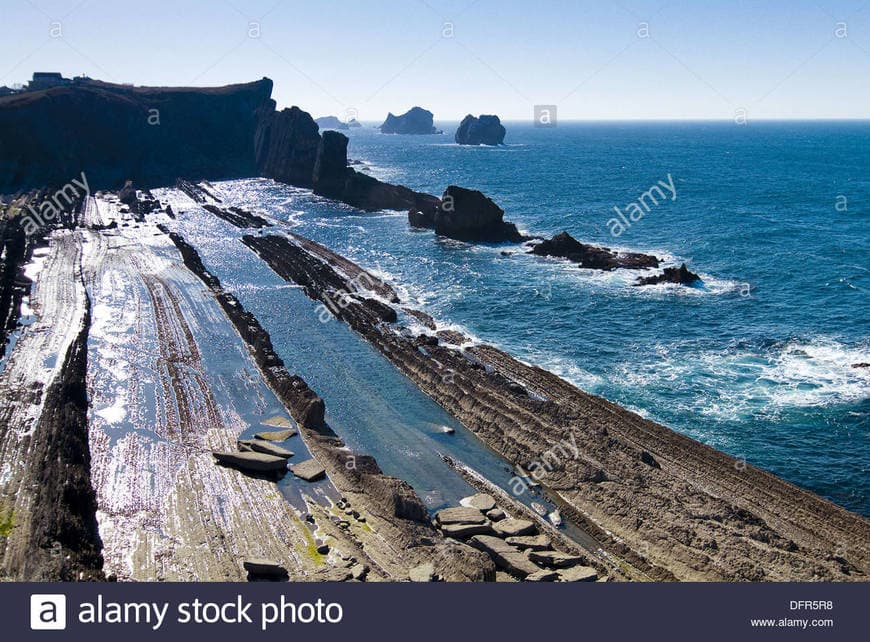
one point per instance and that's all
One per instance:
(151, 135)
(155, 135)
(290, 149)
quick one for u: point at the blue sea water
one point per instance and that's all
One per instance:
(774, 216)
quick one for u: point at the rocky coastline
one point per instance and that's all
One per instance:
(669, 506)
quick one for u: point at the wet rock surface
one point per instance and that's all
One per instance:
(466, 215)
(679, 276)
(591, 256)
(770, 529)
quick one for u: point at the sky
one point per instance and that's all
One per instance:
(598, 59)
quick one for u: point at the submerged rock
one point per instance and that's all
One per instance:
(484, 130)
(414, 121)
(680, 276)
(591, 256)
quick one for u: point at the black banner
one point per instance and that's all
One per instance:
(444, 612)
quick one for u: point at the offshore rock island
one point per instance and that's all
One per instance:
(152, 427)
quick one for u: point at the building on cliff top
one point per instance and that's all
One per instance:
(47, 80)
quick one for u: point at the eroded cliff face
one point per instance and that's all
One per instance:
(151, 135)
(290, 149)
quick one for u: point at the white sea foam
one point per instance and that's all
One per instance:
(734, 383)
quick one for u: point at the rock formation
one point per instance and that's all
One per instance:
(415, 121)
(591, 256)
(693, 514)
(291, 150)
(150, 135)
(331, 122)
(484, 130)
(680, 276)
(286, 144)
(467, 215)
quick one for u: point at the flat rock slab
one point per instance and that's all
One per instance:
(422, 573)
(496, 514)
(554, 559)
(258, 462)
(460, 515)
(513, 527)
(276, 435)
(309, 470)
(531, 542)
(264, 447)
(481, 502)
(264, 568)
(544, 575)
(462, 531)
(504, 555)
(578, 574)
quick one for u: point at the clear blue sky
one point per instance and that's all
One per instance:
(701, 59)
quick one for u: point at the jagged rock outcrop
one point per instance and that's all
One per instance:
(483, 130)
(467, 215)
(592, 256)
(680, 276)
(15, 249)
(291, 150)
(330, 167)
(331, 122)
(286, 144)
(150, 135)
(353, 122)
(414, 121)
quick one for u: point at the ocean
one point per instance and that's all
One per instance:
(757, 361)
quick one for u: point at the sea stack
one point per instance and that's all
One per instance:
(467, 215)
(331, 122)
(415, 121)
(483, 130)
